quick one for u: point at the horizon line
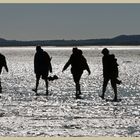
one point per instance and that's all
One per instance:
(70, 39)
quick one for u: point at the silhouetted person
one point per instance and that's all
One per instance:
(42, 67)
(115, 68)
(110, 72)
(2, 64)
(78, 64)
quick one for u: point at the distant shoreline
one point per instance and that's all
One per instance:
(122, 40)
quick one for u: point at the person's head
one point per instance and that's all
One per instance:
(38, 48)
(105, 51)
(74, 50)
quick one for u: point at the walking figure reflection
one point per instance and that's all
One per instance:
(78, 64)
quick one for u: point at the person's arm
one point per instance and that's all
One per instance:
(50, 65)
(6, 68)
(103, 66)
(67, 65)
(35, 63)
(86, 66)
(89, 72)
(5, 64)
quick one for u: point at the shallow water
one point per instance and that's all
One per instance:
(60, 114)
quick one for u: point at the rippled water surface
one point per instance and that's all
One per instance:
(60, 114)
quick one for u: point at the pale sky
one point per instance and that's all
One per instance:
(68, 21)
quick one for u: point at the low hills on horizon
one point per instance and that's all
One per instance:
(119, 40)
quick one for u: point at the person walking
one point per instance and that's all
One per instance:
(42, 67)
(78, 64)
(110, 72)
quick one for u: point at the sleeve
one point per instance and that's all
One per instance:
(35, 63)
(67, 64)
(5, 63)
(103, 64)
(87, 66)
(50, 65)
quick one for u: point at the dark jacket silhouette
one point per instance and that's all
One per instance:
(110, 72)
(2, 64)
(107, 66)
(78, 64)
(42, 63)
(42, 67)
(115, 65)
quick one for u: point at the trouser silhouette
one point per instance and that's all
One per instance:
(76, 78)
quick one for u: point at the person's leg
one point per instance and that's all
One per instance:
(78, 88)
(105, 82)
(78, 91)
(0, 86)
(37, 82)
(46, 82)
(45, 77)
(76, 78)
(0, 79)
(76, 83)
(114, 86)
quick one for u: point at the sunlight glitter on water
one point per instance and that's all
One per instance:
(59, 114)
